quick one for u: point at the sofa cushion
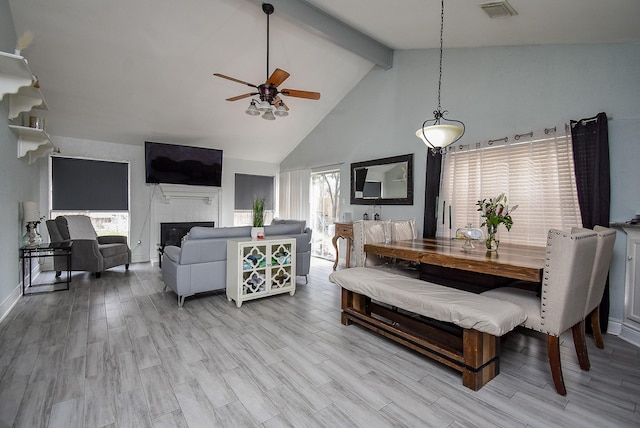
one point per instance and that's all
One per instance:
(111, 250)
(199, 232)
(303, 223)
(76, 227)
(172, 252)
(284, 229)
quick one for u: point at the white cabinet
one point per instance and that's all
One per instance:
(260, 267)
(631, 323)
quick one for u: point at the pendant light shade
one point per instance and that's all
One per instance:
(268, 115)
(434, 134)
(264, 106)
(281, 111)
(252, 110)
(439, 136)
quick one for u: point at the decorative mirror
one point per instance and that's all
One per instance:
(387, 181)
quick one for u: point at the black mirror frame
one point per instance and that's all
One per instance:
(382, 201)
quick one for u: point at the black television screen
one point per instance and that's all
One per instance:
(171, 163)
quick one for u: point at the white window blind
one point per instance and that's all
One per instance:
(536, 173)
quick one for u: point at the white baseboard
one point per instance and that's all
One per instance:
(630, 334)
(614, 327)
(139, 258)
(625, 331)
(10, 302)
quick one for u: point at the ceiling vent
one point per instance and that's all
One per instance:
(497, 9)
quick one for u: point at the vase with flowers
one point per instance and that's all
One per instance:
(495, 211)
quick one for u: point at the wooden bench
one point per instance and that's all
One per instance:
(455, 327)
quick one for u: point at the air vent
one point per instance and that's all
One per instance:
(498, 9)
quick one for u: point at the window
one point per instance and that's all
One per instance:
(247, 189)
(98, 189)
(535, 172)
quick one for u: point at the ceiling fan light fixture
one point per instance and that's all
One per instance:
(264, 106)
(281, 111)
(252, 110)
(268, 115)
(269, 104)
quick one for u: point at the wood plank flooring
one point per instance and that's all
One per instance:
(117, 352)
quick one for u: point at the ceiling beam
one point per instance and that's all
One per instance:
(331, 28)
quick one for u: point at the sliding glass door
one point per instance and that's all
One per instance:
(325, 209)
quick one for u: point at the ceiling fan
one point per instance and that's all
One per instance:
(268, 91)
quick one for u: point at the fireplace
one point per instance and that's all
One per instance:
(172, 233)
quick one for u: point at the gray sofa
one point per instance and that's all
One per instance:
(89, 252)
(200, 264)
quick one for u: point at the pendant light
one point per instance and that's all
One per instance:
(433, 133)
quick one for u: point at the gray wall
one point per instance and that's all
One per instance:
(140, 192)
(18, 182)
(496, 92)
(22, 182)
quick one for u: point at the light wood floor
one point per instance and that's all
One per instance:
(117, 352)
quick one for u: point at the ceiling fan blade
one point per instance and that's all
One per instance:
(278, 101)
(239, 97)
(235, 80)
(277, 77)
(301, 94)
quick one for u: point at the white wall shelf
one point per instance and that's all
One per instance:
(17, 80)
(14, 74)
(26, 99)
(32, 142)
(179, 191)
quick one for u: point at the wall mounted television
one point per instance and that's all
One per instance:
(176, 164)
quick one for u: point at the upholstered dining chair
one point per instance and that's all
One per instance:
(599, 273)
(563, 297)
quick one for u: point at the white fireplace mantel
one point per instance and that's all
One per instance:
(178, 191)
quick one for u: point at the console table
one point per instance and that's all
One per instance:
(260, 267)
(29, 253)
(344, 231)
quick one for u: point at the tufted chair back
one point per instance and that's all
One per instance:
(565, 282)
(604, 254)
(563, 298)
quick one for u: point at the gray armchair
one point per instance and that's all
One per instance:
(89, 252)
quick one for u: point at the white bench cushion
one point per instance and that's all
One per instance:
(467, 310)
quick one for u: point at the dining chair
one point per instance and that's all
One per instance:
(599, 273)
(562, 299)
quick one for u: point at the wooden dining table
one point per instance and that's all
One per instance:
(446, 260)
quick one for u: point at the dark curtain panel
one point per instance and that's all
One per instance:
(590, 139)
(86, 184)
(432, 189)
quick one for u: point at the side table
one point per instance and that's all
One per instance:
(29, 253)
(344, 231)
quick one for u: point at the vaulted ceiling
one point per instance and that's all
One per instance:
(139, 70)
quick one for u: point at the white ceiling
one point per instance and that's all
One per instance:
(141, 70)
